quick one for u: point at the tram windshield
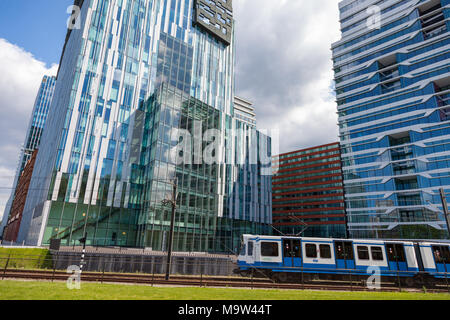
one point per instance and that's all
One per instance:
(243, 250)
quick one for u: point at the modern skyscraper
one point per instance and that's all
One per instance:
(392, 84)
(308, 193)
(144, 95)
(244, 111)
(34, 132)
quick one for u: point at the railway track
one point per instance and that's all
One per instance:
(196, 281)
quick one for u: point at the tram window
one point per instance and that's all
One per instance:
(395, 252)
(287, 248)
(437, 252)
(441, 254)
(363, 253)
(400, 252)
(311, 251)
(344, 250)
(377, 253)
(446, 253)
(242, 253)
(348, 247)
(325, 251)
(339, 247)
(390, 252)
(297, 248)
(250, 249)
(269, 249)
(292, 248)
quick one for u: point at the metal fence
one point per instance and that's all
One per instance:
(144, 264)
(57, 264)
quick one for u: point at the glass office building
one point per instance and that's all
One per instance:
(38, 118)
(207, 218)
(130, 76)
(34, 132)
(392, 78)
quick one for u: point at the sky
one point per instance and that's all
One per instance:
(283, 65)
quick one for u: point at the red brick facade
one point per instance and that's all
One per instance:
(308, 192)
(15, 217)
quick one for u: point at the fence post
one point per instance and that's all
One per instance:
(424, 286)
(351, 281)
(104, 267)
(153, 270)
(113, 264)
(201, 276)
(204, 268)
(6, 266)
(54, 266)
(446, 279)
(303, 280)
(252, 278)
(399, 281)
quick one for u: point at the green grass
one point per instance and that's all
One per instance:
(34, 290)
(25, 258)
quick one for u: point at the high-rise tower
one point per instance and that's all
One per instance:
(392, 84)
(34, 132)
(138, 79)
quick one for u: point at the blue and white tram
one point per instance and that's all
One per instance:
(286, 258)
(435, 259)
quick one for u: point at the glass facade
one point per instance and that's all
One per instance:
(105, 163)
(392, 86)
(34, 132)
(206, 189)
(308, 193)
(39, 118)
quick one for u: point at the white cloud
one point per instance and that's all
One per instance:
(20, 77)
(284, 66)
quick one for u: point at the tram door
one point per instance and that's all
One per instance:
(292, 254)
(396, 257)
(344, 255)
(442, 257)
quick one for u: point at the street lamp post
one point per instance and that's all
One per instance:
(83, 241)
(173, 203)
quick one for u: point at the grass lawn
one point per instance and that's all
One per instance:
(34, 290)
(25, 258)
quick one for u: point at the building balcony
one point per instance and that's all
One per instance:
(388, 75)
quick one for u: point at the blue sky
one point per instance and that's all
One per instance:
(38, 26)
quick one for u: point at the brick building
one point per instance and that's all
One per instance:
(308, 192)
(11, 230)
